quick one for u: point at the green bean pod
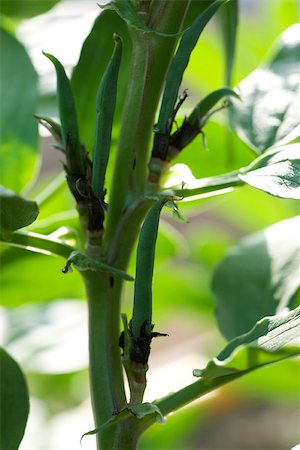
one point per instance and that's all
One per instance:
(179, 64)
(142, 306)
(105, 104)
(68, 118)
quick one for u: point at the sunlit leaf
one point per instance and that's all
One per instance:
(19, 130)
(15, 211)
(269, 113)
(270, 340)
(276, 172)
(14, 403)
(258, 278)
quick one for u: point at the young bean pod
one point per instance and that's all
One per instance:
(70, 136)
(105, 105)
(179, 64)
(142, 307)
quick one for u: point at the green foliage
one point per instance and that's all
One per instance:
(19, 133)
(258, 278)
(14, 403)
(179, 64)
(269, 112)
(276, 172)
(271, 339)
(26, 8)
(95, 53)
(15, 211)
(255, 284)
(229, 15)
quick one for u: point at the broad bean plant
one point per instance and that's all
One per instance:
(133, 96)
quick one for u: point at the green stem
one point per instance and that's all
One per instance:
(38, 243)
(208, 185)
(106, 379)
(192, 392)
(150, 59)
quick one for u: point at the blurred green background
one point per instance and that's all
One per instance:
(43, 313)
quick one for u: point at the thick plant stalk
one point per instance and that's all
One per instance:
(127, 208)
(145, 84)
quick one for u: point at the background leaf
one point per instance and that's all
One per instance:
(35, 271)
(276, 172)
(269, 112)
(26, 8)
(14, 404)
(95, 54)
(229, 16)
(270, 340)
(258, 278)
(19, 130)
(15, 211)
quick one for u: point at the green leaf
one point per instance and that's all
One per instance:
(143, 409)
(14, 403)
(15, 211)
(276, 172)
(84, 263)
(139, 410)
(33, 272)
(26, 8)
(270, 340)
(258, 278)
(19, 130)
(229, 16)
(95, 54)
(269, 112)
(179, 64)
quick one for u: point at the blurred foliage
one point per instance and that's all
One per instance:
(186, 253)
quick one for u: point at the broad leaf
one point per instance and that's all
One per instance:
(35, 271)
(26, 8)
(258, 278)
(15, 211)
(270, 340)
(14, 403)
(269, 113)
(19, 130)
(95, 54)
(276, 172)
